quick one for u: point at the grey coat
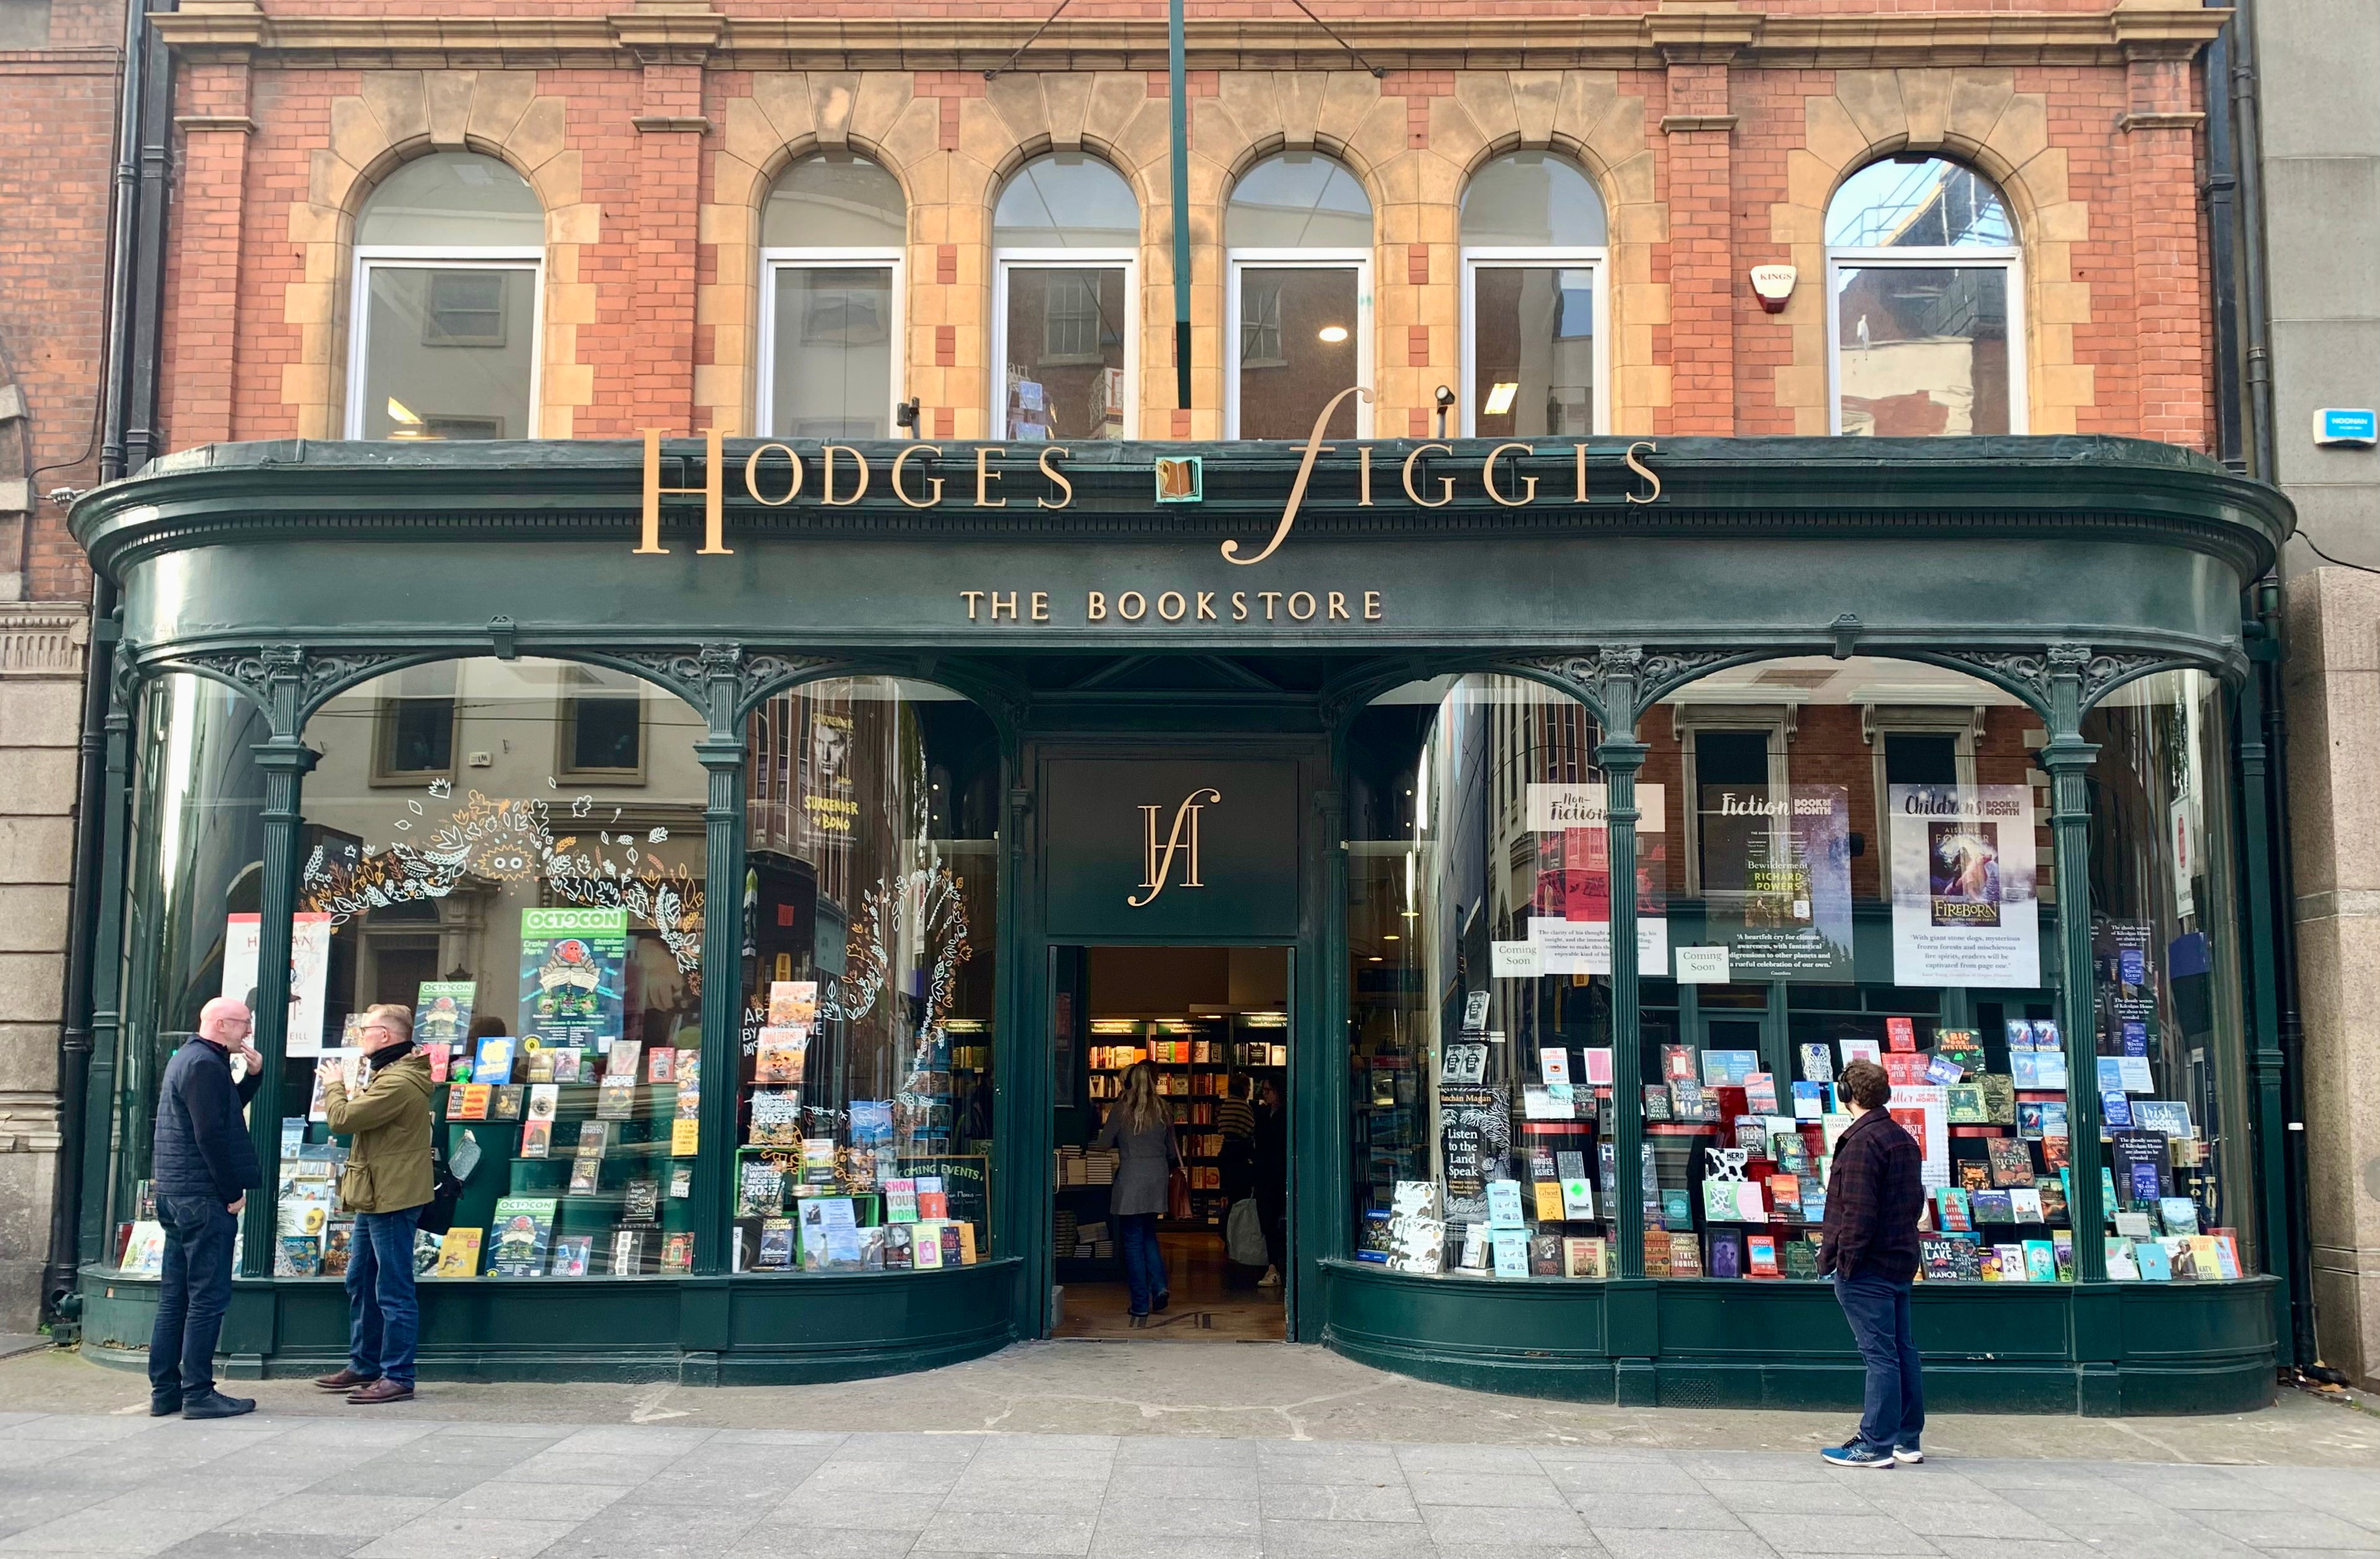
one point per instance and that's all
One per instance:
(1149, 1158)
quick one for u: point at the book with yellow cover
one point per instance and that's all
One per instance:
(458, 1254)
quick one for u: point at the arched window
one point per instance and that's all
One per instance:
(1922, 279)
(1534, 236)
(449, 251)
(1299, 234)
(1065, 314)
(832, 236)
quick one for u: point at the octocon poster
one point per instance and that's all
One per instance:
(571, 976)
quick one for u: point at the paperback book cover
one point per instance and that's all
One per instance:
(901, 1201)
(506, 1102)
(572, 1254)
(1818, 1064)
(776, 1117)
(1583, 1256)
(1685, 1255)
(1760, 1255)
(2121, 1267)
(1545, 1255)
(817, 1160)
(2011, 1161)
(662, 1065)
(1999, 1098)
(1726, 1253)
(537, 1138)
(1802, 1257)
(677, 1253)
(1577, 1195)
(1510, 1248)
(458, 1254)
(2040, 1262)
(1657, 1253)
(933, 1201)
(616, 1098)
(1809, 1101)
(494, 1061)
(776, 1253)
(780, 1058)
(628, 1254)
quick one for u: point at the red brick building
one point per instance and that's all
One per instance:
(58, 76)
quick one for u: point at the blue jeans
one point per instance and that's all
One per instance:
(1877, 1309)
(192, 1294)
(1144, 1263)
(384, 1317)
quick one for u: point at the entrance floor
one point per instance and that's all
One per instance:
(1207, 1308)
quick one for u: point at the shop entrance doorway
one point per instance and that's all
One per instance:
(1211, 1024)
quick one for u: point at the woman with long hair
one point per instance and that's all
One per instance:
(1140, 1127)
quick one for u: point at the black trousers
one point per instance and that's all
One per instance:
(194, 1292)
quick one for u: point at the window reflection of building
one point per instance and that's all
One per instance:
(1065, 239)
(1534, 236)
(1298, 238)
(834, 232)
(1922, 257)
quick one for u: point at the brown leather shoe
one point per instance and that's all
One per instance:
(382, 1390)
(346, 1380)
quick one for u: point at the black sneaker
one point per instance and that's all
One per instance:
(163, 1407)
(215, 1405)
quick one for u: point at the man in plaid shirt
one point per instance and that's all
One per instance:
(1869, 1248)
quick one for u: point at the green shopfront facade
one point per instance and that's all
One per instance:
(777, 811)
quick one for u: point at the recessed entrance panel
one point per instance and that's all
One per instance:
(1176, 848)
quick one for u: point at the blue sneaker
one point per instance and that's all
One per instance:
(1909, 1453)
(1857, 1454)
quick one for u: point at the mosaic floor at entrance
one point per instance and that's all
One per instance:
(1204, 1309)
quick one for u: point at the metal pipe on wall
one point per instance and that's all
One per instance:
(129, 440)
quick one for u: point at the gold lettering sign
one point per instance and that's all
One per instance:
(1181, 840)
(843, 481)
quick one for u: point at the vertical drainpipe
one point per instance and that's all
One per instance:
(1176, 75)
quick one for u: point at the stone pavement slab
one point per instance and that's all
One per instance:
(284, 1485)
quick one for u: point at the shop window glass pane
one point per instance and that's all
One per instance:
(1533, 350)
(547, 940)
(1066, 200)
(1066, 341)
(1482, 1107)
(193, 890)
(1920, 202)
(864, 1096)
(1893, 901)
(1298, 200)
(2165, 955)
(833, 358)
(1298, 348)
(1532, 200)
(1923, 350)
(448, 352)
(453, 199)
(834, 200)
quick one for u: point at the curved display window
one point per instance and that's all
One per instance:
(864, 1094)
(194, 877)
(1479, 1002)
(1860, 867)
(513, 853)
(2171, 1062)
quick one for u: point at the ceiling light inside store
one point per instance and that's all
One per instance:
(1499, 401)
(1333, 333)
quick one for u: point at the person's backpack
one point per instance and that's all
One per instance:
(1244, 1239)
(445, 1190)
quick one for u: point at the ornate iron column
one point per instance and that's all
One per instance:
(2067, 758)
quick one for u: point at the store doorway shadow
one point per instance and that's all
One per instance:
(1214, 1023)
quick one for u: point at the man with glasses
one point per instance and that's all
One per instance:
(388, 1180)
(203, 1164)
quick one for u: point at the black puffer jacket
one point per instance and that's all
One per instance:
(202, 1146)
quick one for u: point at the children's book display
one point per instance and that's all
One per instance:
(824, 1184)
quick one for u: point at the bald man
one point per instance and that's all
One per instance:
(203, 1164)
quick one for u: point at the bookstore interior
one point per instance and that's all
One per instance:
(780, 962)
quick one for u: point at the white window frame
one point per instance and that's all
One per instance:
(1004, 261)
(2009, 258)
(1507, 257)
(853, 258)
(1239, 261)
(407, 257)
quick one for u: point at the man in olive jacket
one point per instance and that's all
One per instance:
(387, 1181)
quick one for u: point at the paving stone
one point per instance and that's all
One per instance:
(1354, 1539)
(1010, 1531)
(1515, 1530)
(2290, 1529)
(1509, 1489)
(1682, 1511)
(1834, 1532)
(1339, 1501)
(1673, 1542)
(325, 1514)
(263, 1545)
(449, 1536)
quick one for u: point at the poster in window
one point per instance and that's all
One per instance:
(1963, 911)
(309, 972)
(1474, 1142)
(1923, 1111)
(572, 963)
(829, 810)
(1791, 914)
(1570, 916)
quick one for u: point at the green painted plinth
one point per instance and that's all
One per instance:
(718, 1330)
(2099, 1349)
